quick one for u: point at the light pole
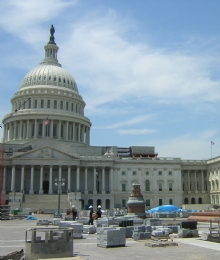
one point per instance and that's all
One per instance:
(59, 184)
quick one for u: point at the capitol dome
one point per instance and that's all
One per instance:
(49, 72)
(47, 104)
(49, 75)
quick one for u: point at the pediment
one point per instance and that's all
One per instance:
(46, 152)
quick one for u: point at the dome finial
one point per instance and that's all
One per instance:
(52, 31)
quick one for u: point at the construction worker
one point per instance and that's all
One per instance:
(74, 212)
(91, 215)
(99, 212)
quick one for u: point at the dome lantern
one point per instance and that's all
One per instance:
(51, 50)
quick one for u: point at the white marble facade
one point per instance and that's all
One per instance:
(46, 137)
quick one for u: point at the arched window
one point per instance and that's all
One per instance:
(67, 105)
(55, 104)
(42, 103)
(147, 185)
(48, 103)
(61, 104)
(35, 103)
(107, 204)
(186, 201)
(193, 201)
(200, 200)
(72, 107)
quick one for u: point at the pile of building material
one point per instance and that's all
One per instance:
(204, 216)
(77, 228)
(4, 212)
(87, 229)
(188, 229)
(14, 255)
(111, 237)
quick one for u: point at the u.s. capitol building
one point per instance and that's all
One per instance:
(46, 141)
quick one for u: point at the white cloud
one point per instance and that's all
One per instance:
(136, 131)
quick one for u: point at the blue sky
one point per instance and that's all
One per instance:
(147, 70)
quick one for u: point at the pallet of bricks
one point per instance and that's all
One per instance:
(111, 237)
(4, 212)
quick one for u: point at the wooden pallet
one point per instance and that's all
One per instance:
(105, 246)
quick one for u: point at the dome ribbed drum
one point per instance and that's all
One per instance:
(136, 204)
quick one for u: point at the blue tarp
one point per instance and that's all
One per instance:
(164, 208)
(31, 218)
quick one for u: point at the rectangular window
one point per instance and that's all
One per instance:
(159, 173)
(42, 103)
(171, 201)
(123, 187)
(123, 173)
(170, 173)
(170, 186)
(160, 202)
(29, 105)
(35, 103)
(134, 173)
(48, 103)
(61, 104)
(55, 104)
(147, 203)
(160, 186)
(67, 106)
(123, 203)
(147, 185)
(147, 173)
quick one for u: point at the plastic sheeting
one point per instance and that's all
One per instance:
(31, 218)
(163, 208)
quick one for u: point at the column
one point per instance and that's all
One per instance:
(22, 178)
(74, 127)
(83, 134)
(24, 130)
(59, 130)
(35, 129)
(195, 181)
(41, 180)
(111, 181)
(94, 181)
(86, 180)
(69, 179)
(31, 191)
(51, 128)
(4, 133)
(79, 130)
(4, 181)
(20, 130)
(103, 180)
(15, 126)
(10, 131)
(43, 131)
(88, 135)
(77, 178)
(202, 180)
(188, 180)
(13, 178)
(28, 130)
(51, 180)
(67, 130)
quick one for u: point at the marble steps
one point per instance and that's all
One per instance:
(44, 202)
